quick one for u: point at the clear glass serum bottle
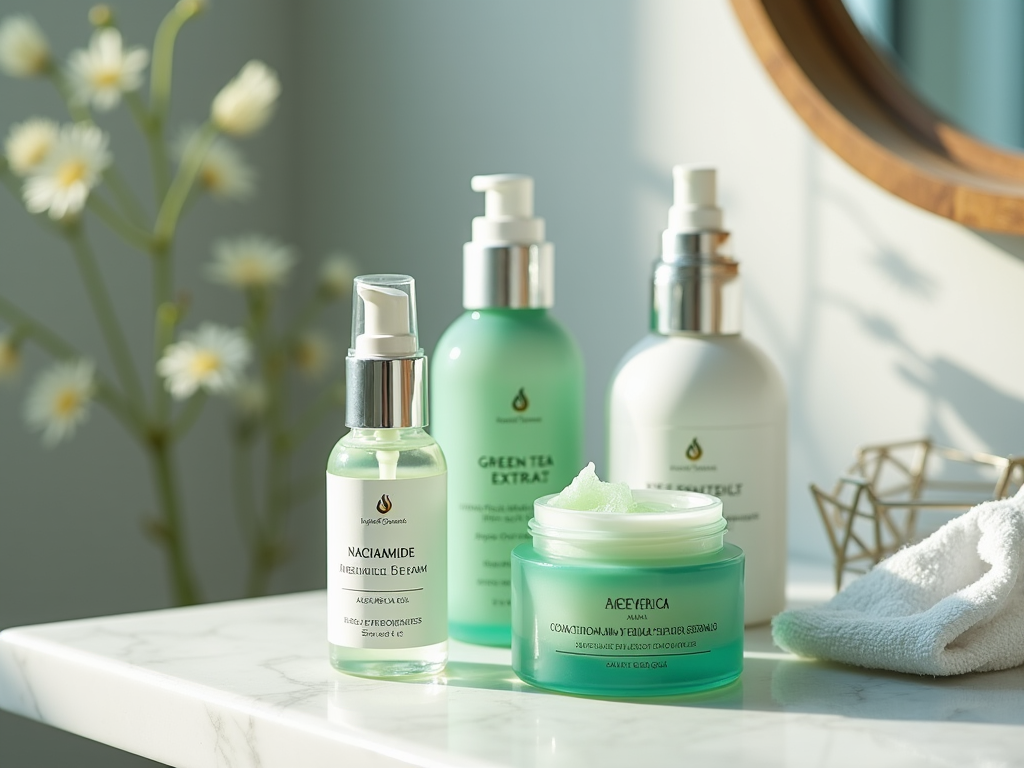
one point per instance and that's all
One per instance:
(386, 499)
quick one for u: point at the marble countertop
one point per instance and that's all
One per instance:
(247, 683)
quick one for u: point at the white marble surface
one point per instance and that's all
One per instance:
(247, 684)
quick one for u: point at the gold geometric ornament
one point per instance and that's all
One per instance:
(873, 509)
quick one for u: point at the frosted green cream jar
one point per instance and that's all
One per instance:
(628, 604)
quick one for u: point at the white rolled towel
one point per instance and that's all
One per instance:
(954, 603)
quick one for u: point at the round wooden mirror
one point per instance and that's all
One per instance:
(860, 107)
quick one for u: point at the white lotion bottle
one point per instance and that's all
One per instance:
(387, 548)
(695, 406)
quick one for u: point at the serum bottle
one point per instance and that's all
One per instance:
(507, 405)
(386, 499)
(696, 407)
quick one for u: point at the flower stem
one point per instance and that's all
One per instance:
(79, 112)
(170, 210)
(241, 481)
(328, 400)
(106, 393)
(187, 418)
(172, 534)
(125, 197)
(163, 57)
(105, 315)
(153, 133)
(131, 233)
(266, 556)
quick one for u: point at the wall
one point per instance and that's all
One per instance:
(887, 322)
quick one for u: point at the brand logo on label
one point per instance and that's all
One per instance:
(384, 505)
(519, 402)
(694, 451)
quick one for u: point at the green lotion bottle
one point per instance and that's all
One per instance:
(506, 405)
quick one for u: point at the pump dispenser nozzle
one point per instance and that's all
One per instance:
(385, 369)
(695, 199)
(507, 263)
(696, 285)
(387, 330)
(508, 210)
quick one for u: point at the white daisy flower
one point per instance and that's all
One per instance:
(211, 357)
(337, 274)
(61, 183)
(244, 105)
(103, 71)
(10, 356)
(60, 399)
(224, 172)
(312, 353)
(29, 143)
(250, 398)
(24, 50)
(250, 261)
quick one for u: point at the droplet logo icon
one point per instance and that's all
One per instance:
(694, 451)
(384, 505)
(519, 402)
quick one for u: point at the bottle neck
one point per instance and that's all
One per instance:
(696, 286)
(386, 394)
(511, 276)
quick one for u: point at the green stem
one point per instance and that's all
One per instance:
(312, 417)
(314, 304)
(187, 418)
(79, 112)
(170, 210)
(306, 488)
(172, 530)
(49, 341)
(241, 481)
(267, 554)
(153, 132)
(104, 309)
(131, 233)
(168, 315)
(125, 197)
(163, 57)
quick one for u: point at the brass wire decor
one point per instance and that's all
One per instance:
(873, 510)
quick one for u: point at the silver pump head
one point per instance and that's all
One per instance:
(507, 263)
(696, 287)
(386, 370)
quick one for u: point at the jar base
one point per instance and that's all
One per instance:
(499, 635)
(425, 661)
(633, 692)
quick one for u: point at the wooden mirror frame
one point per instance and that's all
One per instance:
(861, 108)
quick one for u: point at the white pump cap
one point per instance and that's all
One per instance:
(508, 210)
(695, 200)
(385, 326)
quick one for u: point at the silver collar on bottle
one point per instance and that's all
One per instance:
(513, 276)
(386, 394)
(696, 286)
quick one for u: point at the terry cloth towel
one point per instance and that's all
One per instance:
(953, 603)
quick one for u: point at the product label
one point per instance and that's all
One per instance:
(611, 629)
(386, 562)
(522, 442)
(743, 466)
